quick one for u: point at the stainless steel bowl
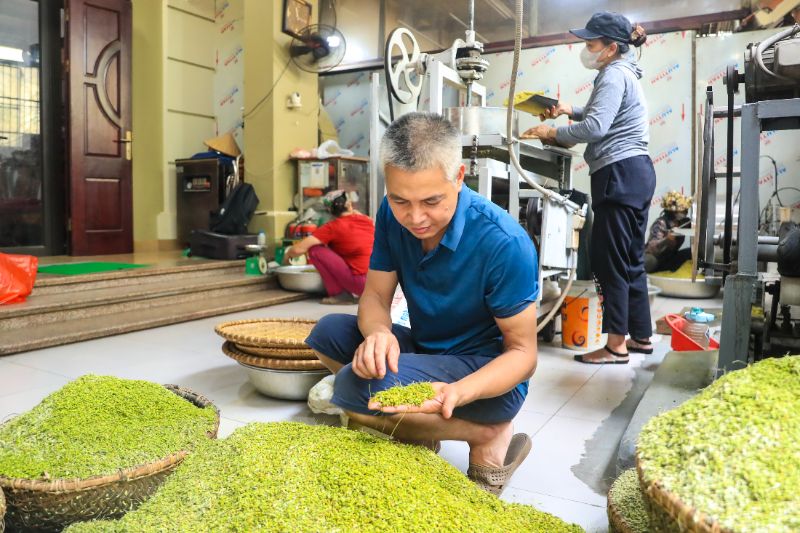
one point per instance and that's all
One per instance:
(284, 384)
(683, 287)
(481, 120)
(652, 292)
(300, 278)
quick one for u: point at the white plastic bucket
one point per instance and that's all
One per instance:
(581, 317)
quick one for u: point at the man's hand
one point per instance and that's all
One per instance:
(448, 397)
(372, 356)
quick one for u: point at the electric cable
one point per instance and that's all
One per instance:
(266, 96)
(547, 193)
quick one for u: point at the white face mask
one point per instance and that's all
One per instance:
(591, 60)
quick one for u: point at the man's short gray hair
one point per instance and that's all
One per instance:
(422, 141)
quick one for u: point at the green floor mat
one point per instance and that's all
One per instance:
(73, 269)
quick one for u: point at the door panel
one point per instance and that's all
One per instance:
(99, 54)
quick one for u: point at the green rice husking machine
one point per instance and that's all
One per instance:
(760, 314)
(530, 180)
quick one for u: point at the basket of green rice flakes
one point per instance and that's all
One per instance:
(96, 449)
(727, 460)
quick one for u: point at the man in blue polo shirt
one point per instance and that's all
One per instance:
(469, 274)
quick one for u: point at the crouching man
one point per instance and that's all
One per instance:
(469, 274)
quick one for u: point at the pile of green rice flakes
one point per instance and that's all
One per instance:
(96, 425)
(295, 477)
(733, 451)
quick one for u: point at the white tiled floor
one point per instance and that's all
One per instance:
(566, 404)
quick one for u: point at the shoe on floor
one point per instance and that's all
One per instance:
(494, 479)
(639, 346)
(343, 298)
(610, 357)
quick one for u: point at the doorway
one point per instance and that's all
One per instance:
(32, 172)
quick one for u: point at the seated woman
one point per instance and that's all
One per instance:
(339, 250)
(663, 250)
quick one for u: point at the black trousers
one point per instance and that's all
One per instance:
(621, 195)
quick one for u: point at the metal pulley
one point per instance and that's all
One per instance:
(403, 63)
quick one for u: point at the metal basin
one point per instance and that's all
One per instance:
(300, 278)
(683, 287)
(652, 292)
(284, 384)
(481, 120)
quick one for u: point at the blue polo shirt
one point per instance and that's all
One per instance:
(484, 267)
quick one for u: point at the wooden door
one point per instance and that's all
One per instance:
(98, 51)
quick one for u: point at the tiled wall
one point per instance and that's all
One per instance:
(668, 62)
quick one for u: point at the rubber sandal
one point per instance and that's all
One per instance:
(616, 358)
(639, 349)
(494, 479)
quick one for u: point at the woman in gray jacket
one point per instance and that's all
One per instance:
(614, 124)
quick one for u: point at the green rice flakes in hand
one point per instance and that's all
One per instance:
(414, 394)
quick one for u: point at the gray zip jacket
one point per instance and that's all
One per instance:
(614, 121)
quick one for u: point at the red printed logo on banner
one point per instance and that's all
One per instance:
(661, 117)
(666, 155)
(361, 107)
(665, 74)
(220, 13)
(234, 56)
(507, 82)
(332, 100)
(543, 58)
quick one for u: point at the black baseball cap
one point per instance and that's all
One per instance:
(606, 24)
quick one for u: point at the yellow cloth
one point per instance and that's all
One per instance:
(524, 102)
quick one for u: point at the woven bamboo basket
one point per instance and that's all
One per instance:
(619, 518)
(669, 513)
(2, 511)
(616, 522)
(267, 332)
(277, 353)
(258, 361)
(52, 505)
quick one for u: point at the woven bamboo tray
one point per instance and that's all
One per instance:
(616, 522)
(267, 333)
(270, 363)
(277, 353)
(619, 518)
(2, 512)
(52, 505)
(669, 513)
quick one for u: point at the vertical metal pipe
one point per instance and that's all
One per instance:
(471, 15)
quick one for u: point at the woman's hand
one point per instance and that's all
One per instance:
(378, 351)
(448, 397)
(556, 111)
(546, 133)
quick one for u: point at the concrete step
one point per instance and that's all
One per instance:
(197, 297)
(160, 312)
(50, 284)
(66, 304)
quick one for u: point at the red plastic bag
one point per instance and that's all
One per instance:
(17, 274)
